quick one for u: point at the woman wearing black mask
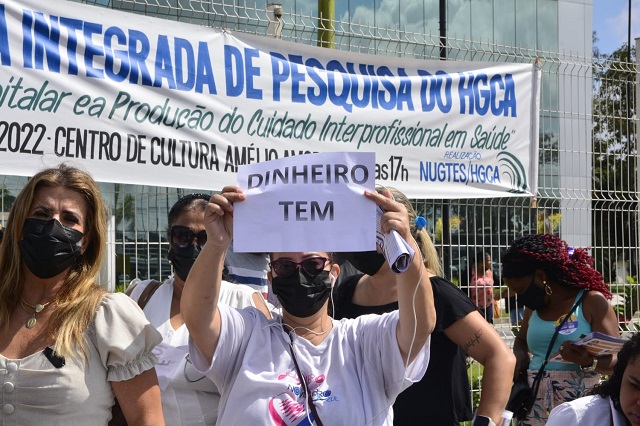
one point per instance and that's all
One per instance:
(443, 396)
(550, 279)
(67, 345)
(188, 398)
(304, 367)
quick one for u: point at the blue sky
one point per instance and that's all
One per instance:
(610, 21)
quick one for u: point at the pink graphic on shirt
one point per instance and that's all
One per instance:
(285, 411)
(285, 408)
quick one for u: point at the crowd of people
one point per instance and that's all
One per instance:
(212, 345)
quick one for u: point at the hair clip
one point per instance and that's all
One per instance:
(421, 222)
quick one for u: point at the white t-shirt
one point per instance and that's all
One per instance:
(188, 397)
(587, 411)
(354, 375)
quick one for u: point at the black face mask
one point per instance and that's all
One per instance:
(300, 294)
(182, 259)
(368, 262)
(48, 247)
(533, 297)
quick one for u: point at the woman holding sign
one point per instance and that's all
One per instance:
(304, 367)
(555, 281)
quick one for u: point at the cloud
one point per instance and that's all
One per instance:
(616, 27)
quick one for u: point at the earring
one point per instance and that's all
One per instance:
(547, 289)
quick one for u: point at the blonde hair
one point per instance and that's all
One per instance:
(427, 249)
(79, 297)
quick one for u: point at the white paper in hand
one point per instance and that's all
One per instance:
(396, 250)
(311, 202)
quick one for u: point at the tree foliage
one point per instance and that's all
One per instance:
(614, 155)
(614, 133)
(6, 198)
(125, 209)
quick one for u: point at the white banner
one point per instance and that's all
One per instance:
(307, 203)
(143, 100)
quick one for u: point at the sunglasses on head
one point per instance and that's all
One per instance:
(311, 266)
(182, 236)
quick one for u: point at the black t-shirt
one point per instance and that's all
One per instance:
(343, 300)
(443, 395)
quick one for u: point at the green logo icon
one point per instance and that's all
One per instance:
(514, 170)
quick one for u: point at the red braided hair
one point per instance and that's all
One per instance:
(551, 254)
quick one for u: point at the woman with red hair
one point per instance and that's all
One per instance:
(554, 280)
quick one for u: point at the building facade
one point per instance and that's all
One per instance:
(558, 32)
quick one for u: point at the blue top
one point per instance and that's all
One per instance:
(540, 333)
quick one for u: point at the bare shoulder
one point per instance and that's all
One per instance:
(597, 309)
(594, 300)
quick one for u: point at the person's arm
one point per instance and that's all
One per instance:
(602, 318)
(417, 313)
(199, 303)
(139, 398)
(480, 341)
(520, 347)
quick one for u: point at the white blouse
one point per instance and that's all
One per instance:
(587, 411)
(119, 346)
(188, 397)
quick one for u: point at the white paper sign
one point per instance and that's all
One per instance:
(311, 202)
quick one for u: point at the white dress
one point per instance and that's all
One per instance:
(188, 397)
(119, 344)
(353, 376)
(587, 411)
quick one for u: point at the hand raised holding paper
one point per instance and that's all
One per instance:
(218, 218)
(394, 217)
(304, 343)
(395, 248)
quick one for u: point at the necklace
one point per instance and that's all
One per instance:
(31, 322)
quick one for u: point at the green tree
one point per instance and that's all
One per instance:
(125, 209)
(6, 198)
(614, 157)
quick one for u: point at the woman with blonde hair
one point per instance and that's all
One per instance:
(443, 395)
(67, 347)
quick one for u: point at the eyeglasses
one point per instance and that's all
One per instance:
(286, 267)
(182, 236)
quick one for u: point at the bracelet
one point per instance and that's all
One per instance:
(591, 367)
(483, 421)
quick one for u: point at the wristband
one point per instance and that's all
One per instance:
(591, 367)
(483, 421)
